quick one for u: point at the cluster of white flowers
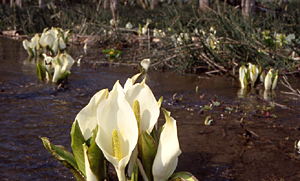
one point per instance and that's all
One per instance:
(117, 117)
(52, 41)
(57, 68)
(252, 73)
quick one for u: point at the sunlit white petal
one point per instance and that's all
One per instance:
(168, 151)
(149, 109)
(87, 117)
(116, 113)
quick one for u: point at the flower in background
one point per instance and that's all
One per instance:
(271, 79)
(32, 46)
(145, 63)
(62, 64)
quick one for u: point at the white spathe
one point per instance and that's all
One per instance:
(32, 46)
(130, 81)
(242, 76)
(271, 80)
(48, 37)
(145, 63)
(166, 158)
(51, 39)
(48, 65)
(115, 113)
(61, 63)
(87, 117)
(253, 73)
(128, 25)
(149, 109)
(268, 81)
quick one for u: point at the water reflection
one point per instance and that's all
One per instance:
(267, 95)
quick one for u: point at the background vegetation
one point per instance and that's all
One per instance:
(236, 40)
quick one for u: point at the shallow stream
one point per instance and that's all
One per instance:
(30, 109)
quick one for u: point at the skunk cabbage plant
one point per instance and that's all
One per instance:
(55, 69)
(118, 127)
(254, 72)
(271, 79)
(243, 76)
(145, 63)
(32, 46)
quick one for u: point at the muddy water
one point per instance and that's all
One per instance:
(30, 109)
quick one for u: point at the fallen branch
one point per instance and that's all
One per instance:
(288, 85)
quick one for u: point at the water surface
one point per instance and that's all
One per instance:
(31, 109)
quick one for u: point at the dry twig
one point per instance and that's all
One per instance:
(288, 85)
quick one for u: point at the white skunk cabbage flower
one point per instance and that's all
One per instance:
(243, 76)
(212, 30)
(117, 130)
(87, 117)
(48, 66)
(48, 37)
(32, 46)
(62, 64)
(166, 158)
(262, 77)
(130, 81)
(271, 80)
(52, 40)
(149, 109)
(112, 22)
(254, 72)
(145, 63)
(128, 25)
(179, 40)
(58, 45)
(145, 27)
(196, 31)
(155, 33)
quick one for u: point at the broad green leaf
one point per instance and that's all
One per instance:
(65, 157)
(96, 158)
(40, 71)
(77, 140)
(147, 151)
(183, 176)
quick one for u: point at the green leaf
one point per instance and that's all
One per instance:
(147, 151)
(61, 33)
(134, 175)
(183, 176)
(154, 135)
(77, 140)
(96, 158)
(107, 51)
(65, 157)
(40, 71)
(67, 38)
(63, 76)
